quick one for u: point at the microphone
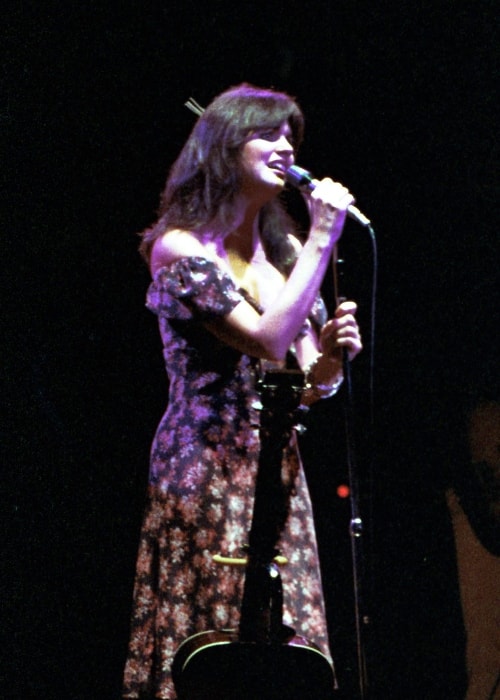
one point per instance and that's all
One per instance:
(304, 181)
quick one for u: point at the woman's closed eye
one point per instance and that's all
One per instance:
(272, 134)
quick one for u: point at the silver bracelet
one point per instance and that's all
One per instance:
(322, 391)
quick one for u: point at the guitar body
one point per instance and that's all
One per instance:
(218, 666)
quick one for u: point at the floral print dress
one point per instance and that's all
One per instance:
(204, 461)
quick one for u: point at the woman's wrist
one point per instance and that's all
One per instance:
(323, 377)
(320, 236)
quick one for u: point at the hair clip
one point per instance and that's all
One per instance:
(194, 106)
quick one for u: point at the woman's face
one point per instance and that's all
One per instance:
(266, 156)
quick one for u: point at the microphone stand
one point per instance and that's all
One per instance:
(356, 533)
(361, 618)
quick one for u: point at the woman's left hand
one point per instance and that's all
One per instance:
(342, 331)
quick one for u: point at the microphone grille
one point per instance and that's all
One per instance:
(298, 177)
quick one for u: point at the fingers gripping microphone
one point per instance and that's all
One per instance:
(303, 180)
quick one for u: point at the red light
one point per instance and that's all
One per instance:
(343, 491)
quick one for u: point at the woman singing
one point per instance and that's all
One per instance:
(234, 292)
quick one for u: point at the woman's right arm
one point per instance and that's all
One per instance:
(270, 334)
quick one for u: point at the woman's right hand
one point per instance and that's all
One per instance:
(327, 205)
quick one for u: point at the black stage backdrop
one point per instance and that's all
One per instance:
(399, 103)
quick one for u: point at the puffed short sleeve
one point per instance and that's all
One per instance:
(318, 316)
(192, 289)
(319, 313)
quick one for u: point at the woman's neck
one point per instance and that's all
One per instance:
(244, 239)
(242, 243)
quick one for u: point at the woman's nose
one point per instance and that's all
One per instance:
(284, 144)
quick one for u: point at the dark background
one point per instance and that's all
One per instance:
(399, 103)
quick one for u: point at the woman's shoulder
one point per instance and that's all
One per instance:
(174, 245)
